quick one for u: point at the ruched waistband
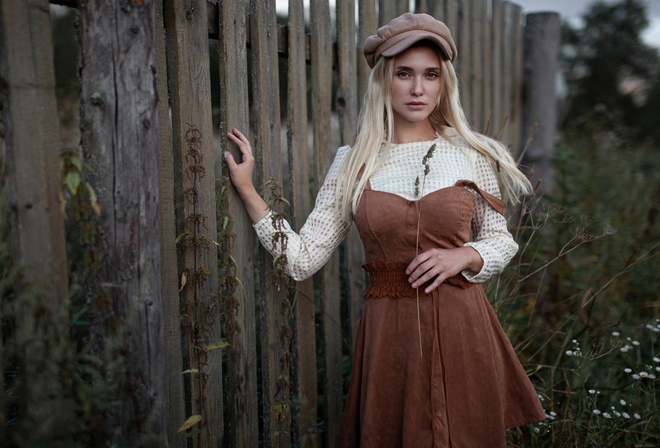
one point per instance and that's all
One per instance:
(389, 279)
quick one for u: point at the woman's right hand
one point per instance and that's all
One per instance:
(241, 173)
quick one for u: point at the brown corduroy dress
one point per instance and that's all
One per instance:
(468, 386)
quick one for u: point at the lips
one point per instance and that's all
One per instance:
(415, 105)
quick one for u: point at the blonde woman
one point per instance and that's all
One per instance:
(432, 366)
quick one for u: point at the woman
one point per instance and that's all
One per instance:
(432, 366)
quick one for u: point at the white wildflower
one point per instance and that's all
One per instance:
(635, 342)
(637, 416)
(651, 376)
(569, 352)
(606, 415)
(643, 374)
(636, 377)
(596, 412)
(616, 334)
(537, 430)
(592, 391)
(623, 402)
(626, 415)
(656, 359)
(618, 414)
(627, 370)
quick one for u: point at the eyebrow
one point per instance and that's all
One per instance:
(404, 67)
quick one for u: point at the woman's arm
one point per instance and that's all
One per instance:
(322, 232)
(489, 252)
(491, 238)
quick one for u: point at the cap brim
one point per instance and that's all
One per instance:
(405, 43)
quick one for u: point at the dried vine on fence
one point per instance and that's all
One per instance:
(200, 309)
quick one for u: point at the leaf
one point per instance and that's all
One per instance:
(77, 162)
(92, 193)
(184, 280)
(95, 208)
(60, 195)
(191, 371)
(180, 237)
(216, 345)
(192, 421)
(92, 199)
(72, 181)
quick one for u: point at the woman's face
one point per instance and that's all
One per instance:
(416, 85)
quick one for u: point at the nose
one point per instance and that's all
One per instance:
(417, 89)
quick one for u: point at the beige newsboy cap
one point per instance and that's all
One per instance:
(403, 31)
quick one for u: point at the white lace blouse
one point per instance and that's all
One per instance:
(452, 161)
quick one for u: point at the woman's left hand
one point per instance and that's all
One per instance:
(440, 264)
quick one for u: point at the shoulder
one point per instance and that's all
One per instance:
(460, 144)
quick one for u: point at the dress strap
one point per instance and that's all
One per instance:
(496, 203)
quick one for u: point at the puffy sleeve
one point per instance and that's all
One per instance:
(323, 231)
(490, 235)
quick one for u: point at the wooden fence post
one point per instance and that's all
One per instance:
(175, 403)
(328, 278)
(389, 9)
(237, 236)
(497, 116)
(120, 138)
(542, 39)
(304, 330)
(273, 304)
(189, 74)
(28, 118)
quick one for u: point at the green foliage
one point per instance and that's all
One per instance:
(611, 74)
(581, 300)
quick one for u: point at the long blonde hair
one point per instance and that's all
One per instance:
(375, 130)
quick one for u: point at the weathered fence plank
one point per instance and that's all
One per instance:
(389, 9)
(516, 49)
(304, 366)
(192, 127)
(120, 137)
(542, 38)
(174, 401)
(347, 109)
(451, 18)
(237, 236)
(328, 278)
(497, 115)
(273, 300)
(28, 122)
(476, 63)
(464, 42)
(367, 25)
(509, 19)
(487, 67)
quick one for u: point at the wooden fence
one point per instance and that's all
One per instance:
(176, 268)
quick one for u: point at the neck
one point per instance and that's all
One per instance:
(413, 132)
